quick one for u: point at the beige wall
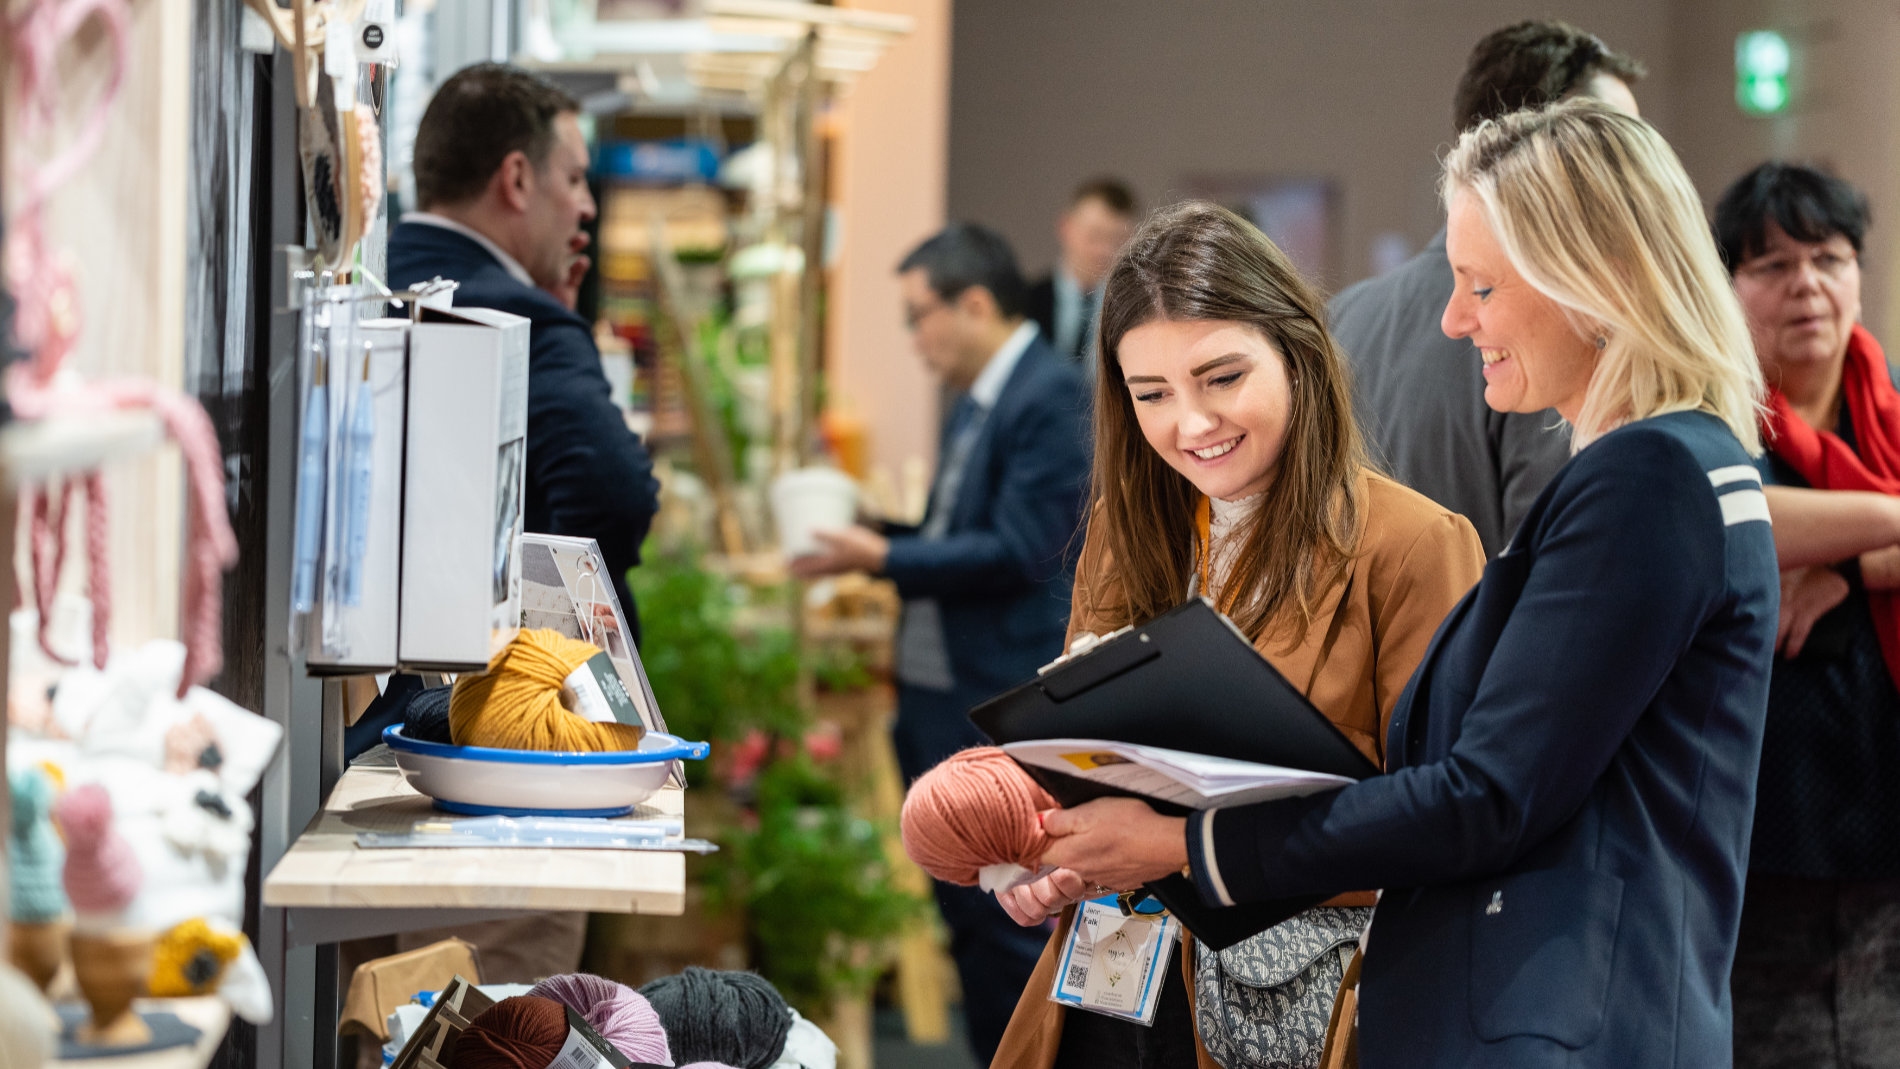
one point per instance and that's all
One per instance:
(890, 185)
(1845, 112)
(121, 223)
(1045, 93)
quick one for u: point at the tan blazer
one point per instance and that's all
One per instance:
(1368, 635)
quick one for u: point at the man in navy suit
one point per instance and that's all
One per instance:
(1065, 303)
(986, 577)
(501, 178)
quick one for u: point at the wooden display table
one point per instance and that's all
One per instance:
(333, 890)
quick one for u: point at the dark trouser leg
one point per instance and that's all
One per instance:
(1783, 984)
(994, 957)
(932, 725)
(1093, 1041)
(1868, 986)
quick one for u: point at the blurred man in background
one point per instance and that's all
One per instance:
(985, 578)
(1100, 217)
(1419, 395)
(501, 180)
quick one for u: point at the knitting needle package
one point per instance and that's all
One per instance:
(462, 493)
(356, 543)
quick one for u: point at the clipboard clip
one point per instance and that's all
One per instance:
(1140, 903)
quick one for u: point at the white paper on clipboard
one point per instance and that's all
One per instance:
(565, 587)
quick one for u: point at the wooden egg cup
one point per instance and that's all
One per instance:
(112, 969)
(38, 949)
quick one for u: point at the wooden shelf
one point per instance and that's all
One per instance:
(209, 1015)
(334, 889)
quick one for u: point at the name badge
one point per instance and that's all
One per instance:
(1111, 963)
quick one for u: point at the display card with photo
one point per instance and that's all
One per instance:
(565, 587)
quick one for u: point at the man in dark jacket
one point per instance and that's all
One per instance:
(1065, 303)
(501, 178)
(1418, 394)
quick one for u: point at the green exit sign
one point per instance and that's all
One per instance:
(1762, 59)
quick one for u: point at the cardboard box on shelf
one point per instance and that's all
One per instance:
(462, 494)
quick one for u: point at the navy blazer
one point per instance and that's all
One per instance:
(1002, 572)
(588, 475)
(1564, 832)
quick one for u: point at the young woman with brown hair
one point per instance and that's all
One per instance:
(1227, 464)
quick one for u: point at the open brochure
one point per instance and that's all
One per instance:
(1197, 781)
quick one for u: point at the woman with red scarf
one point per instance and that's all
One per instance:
(1817, 969)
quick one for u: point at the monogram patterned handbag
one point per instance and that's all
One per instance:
(1266, 1002)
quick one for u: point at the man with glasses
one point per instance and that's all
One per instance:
(986, 578)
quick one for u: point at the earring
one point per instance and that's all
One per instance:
(1602, 341)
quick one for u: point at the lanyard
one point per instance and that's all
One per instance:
(1204, 549)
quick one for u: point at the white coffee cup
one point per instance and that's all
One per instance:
(808, 500)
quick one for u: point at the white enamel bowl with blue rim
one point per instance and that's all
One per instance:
(485, 781)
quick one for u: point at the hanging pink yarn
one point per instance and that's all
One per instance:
(977, 808)
(101, 872)
(621, 1015)
(46, 325)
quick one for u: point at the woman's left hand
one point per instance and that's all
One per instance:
(1118, 843)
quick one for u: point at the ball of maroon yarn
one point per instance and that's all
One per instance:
(977, 808)
(523, 1032)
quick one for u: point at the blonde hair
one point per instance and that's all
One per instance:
(1594, 211)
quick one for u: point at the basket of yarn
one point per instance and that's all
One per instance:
(975, 820)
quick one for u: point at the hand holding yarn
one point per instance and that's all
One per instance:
(976, 819)
(1118, 843)
(516, 703)
(1031, 903)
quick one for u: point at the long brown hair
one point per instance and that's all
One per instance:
(1198, 261)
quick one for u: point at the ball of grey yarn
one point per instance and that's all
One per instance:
(712, 1015)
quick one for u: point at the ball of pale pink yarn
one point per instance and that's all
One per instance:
(977, 808)
(101, 873)
(621, 1015)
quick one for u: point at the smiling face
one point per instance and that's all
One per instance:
(1533, 359)
(1802, 299)
(1212, 398)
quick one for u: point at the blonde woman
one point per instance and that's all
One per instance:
(1563, 828)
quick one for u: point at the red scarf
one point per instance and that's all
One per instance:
(1827, 463)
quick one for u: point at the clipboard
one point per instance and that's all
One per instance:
(1186, 680)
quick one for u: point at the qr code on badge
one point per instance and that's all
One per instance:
(1078, 976)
